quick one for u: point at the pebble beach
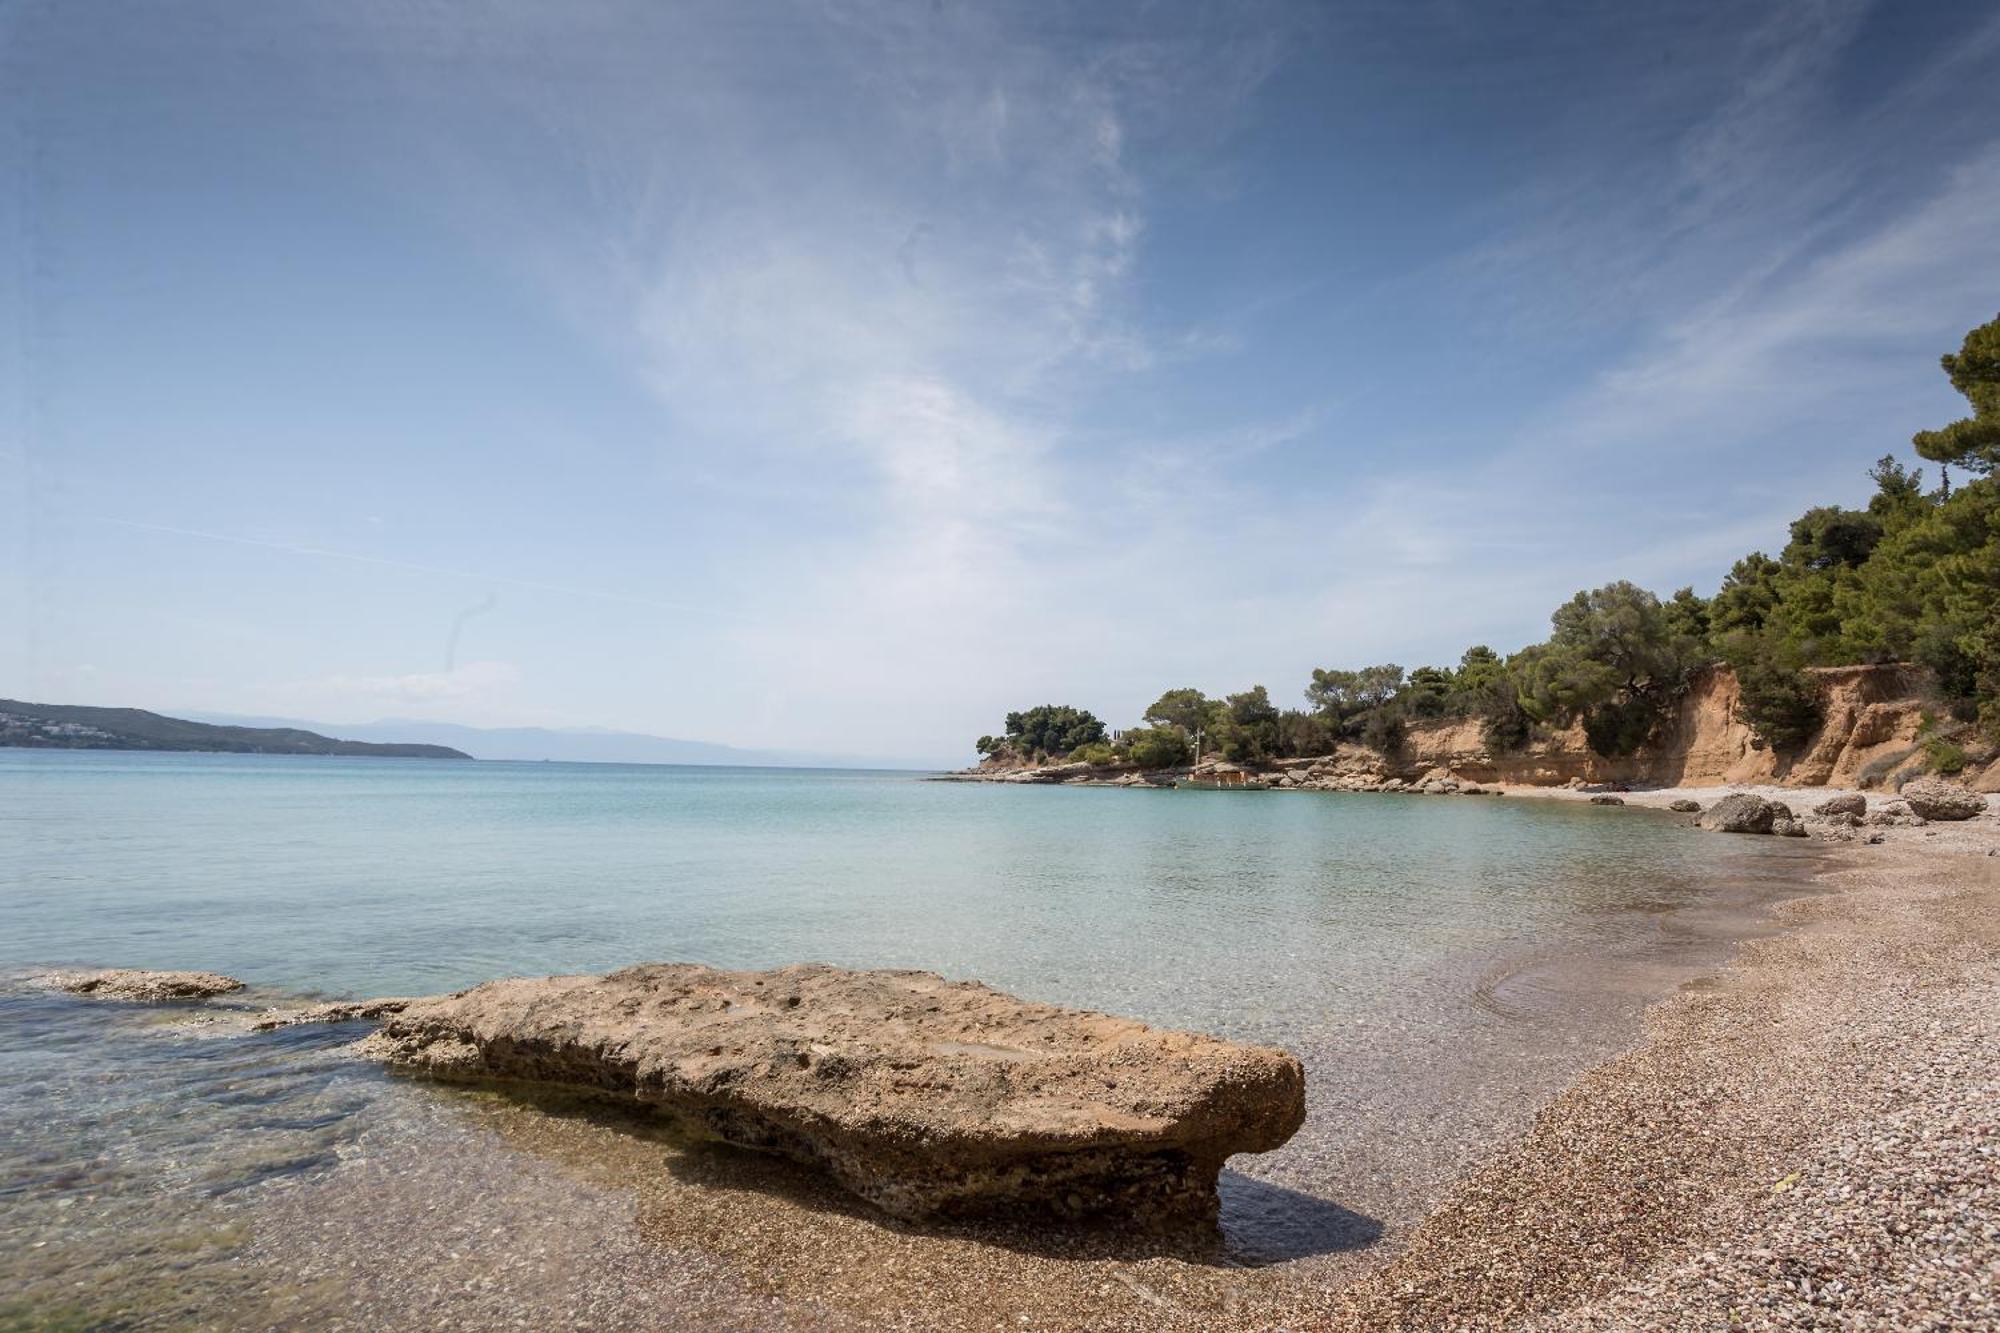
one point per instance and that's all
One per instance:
(1808, 1139)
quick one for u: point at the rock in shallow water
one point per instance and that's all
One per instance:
(924, 1096)
(121, 983)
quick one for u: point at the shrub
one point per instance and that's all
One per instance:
(1158, 747)
(1945, 756)
(1384, 731)
(1095, 752)
(1779, 701)
(1621, 726)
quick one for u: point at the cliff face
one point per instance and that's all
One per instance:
(1871, 712)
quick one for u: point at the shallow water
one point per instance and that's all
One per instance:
(1439, 963)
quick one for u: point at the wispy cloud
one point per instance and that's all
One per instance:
(469, 687)
(889, 276)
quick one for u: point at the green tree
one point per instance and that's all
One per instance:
(1183, 708)
(1973, 442)
(1158, 747)
(1429, 693)
(1479, 669)
(1052, 729)
(1252, 731)
(1830, 537)
(1899, 491)
(1748, 596)
(1687, 616)
(1342, 694)
(1777, 698)
(1303, 734)
(1616, 661)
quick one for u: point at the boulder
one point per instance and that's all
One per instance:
(1937, 798)
(924, 1096)
(1686, 807)
(1607, 800)
(121, 983)
(1788, 828)
(1739, 812)
(1847, 803)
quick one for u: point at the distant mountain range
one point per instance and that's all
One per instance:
(75, 727)
(583, 745)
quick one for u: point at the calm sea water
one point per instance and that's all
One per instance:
(1435, 958)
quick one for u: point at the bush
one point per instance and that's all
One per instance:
(1506, 729)
(1095, 752)
(1158, 747)
(1779, 701)
(1620, 726)
(1384, 731)
(1945, 756)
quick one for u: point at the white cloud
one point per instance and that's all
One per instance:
(864, 266)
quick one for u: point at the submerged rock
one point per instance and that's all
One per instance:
(333, 1011)
(1936, 798)
(1740, 812)
(922, 1095)
(124, 983)
(1607, 800)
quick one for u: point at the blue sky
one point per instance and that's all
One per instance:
(840, 376)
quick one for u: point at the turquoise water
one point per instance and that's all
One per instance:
(1437, 962)
(1239, 911)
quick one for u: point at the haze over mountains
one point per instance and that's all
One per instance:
(585, 745)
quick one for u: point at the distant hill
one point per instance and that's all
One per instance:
(589, 746)
(73, 727)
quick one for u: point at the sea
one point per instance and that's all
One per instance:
(1442, 965)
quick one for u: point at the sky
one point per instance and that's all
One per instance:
(841, 376)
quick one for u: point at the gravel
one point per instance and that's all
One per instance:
(1808, 1141)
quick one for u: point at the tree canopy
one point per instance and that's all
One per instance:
(1914, 576)
(1973, 442)
(1046, 729)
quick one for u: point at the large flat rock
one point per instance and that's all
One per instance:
(924, 1096)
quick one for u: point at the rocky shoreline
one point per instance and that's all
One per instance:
(1836, 814)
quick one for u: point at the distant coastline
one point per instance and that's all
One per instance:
(77, 727)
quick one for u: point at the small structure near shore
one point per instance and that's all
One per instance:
(924, 1096)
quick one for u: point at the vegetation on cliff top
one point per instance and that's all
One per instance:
(1913, 577)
